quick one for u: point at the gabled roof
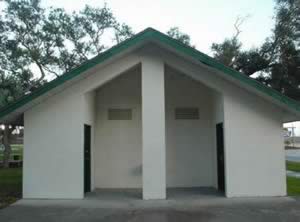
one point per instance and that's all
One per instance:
(146, 35)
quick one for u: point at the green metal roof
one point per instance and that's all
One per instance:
(152, 34)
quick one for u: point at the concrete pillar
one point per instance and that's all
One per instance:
(153, 125)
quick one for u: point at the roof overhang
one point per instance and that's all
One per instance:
(13, 114)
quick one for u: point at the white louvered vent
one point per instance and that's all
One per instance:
(189, 113)
(119, 114)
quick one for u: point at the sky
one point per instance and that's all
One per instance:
(206, 21)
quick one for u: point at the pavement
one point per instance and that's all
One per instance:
(292, 155)
(293, 174)
(180, 206)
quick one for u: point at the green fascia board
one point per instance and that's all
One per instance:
(152, 34)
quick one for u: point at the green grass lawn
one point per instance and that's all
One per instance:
(293, 166)
(10, 185)
(293, 186)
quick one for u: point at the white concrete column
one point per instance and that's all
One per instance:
(153, 126)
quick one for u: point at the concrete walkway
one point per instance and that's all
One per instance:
(293, 174)
(293, 155)
(188, 207)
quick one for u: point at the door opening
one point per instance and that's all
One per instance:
(220, 156)
(87, 158)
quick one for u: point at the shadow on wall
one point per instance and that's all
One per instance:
(137, 171)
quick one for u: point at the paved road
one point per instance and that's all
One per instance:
(205, 210)
(292, 174)
(292, 155)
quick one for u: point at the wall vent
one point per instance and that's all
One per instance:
(119, 114)
(187, 113)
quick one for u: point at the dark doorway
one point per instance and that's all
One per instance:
(87, 158)
(220, 156)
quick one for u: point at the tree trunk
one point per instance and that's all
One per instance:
(7, 147)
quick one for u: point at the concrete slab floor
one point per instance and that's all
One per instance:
(137, 194)
(182, 205)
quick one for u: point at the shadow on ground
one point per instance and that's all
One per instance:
(182, 206)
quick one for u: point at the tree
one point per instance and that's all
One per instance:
(175, 33)
(277, 61)
(227, 52)
(284, 74)
(54, 41)
(38, 44)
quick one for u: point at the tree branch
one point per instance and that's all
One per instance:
(51, 71)
(238, 22)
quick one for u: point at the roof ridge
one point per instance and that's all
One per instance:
(140, 37)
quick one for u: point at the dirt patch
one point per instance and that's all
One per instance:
(7, 198)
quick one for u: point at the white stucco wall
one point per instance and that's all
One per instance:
(53, 140)
(254, 152)
(118, 158)
(118, 151)
(153, 122)
(190, 144)
(218, 107)
(53, 149)
(255, 164)
(53, 136)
